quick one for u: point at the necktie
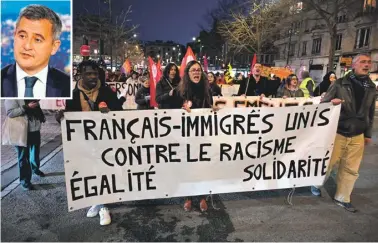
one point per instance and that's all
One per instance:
(29, 84)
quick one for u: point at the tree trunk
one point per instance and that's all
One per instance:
(332, 48)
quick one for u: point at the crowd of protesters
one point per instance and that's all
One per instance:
(355, 92)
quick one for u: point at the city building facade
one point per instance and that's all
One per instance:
(306, 45)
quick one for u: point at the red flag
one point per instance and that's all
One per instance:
(205, 64)
(253, 64)
(155, 75)
(159, 64)
(189, 56)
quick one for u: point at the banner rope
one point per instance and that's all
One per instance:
(212, 201)
(290, 196)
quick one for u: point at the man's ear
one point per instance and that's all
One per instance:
(56, 45)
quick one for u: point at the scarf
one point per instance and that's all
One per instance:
(363, 81)
(91, 94)
(34, 114)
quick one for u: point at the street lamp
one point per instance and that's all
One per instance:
(174, 48)
(158, 56)
(135, 35)
(194, 38)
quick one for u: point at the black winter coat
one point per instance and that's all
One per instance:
(163, 87)
(215, 89)
(256, 89)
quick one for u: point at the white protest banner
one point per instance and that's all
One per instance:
(130, 88)
(229, 90)
(254, 101)
(134, 155)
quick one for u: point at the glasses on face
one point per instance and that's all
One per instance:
(294, 79)
(195, 71)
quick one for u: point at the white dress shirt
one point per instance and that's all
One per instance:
(39, 89)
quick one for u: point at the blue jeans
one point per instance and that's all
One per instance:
(28, 157)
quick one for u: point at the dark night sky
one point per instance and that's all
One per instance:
(176, 20)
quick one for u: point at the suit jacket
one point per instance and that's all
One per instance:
(58, 83)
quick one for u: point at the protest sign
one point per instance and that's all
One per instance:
(254, 101)
(134, 155)
(129, 104)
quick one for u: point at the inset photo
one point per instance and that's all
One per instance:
(36, 49)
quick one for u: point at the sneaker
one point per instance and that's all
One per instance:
(203, 205)
(105, 216)
(27, 187)
(347, 206)
(93, 211)
(316, 191)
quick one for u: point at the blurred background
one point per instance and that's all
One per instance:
(9, 14)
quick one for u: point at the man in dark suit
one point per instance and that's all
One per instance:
(36, 38)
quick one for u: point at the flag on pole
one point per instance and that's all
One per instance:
(254, 60)
(155, 75)
(127, 67)
(159, 64)
(189, 56)
(228, 75)
(205, 64)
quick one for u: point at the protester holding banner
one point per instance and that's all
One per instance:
(356, 94)
(215, 89)
(90, 95)
(27, 156)
(256, 85)
(122, 78)
(142, 97)
(291, 89)
(328, 80)
(133, 79)
(307, 85)
(165, 88)
(194, 93)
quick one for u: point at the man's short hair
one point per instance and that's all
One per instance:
(355, 59)
(37, 12)
(256, 64)
(88, 63)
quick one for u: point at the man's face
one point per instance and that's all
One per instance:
(90, 77)
(362, 65)
(257, 69)
(34, 44)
